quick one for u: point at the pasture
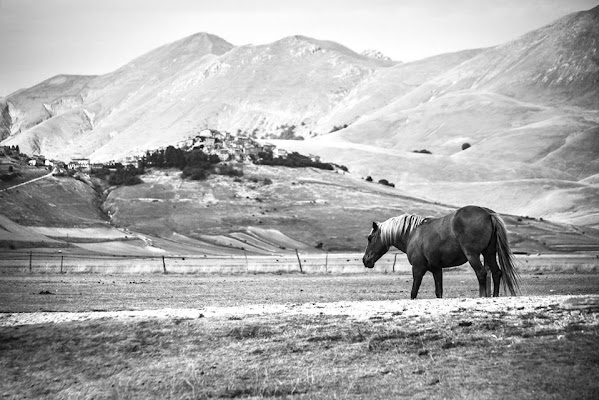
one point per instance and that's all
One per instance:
(295, 336)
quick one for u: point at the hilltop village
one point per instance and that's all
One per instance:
(220, 146)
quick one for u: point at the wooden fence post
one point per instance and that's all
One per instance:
(299, 261)
(164, 265)
(394, 261)
(30, 260)
(61, 258)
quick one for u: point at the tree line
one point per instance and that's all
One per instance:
(197, 165)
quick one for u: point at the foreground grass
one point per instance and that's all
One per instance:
(550, 354)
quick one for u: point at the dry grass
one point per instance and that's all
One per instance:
(306, 357)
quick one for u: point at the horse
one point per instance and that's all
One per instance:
(436, 243)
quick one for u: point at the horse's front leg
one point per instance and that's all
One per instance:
(417, 275)
(438, 275)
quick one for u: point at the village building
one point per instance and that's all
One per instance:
(37, 161)
(269, 147)
(80, 164)
(280, 153)
(314, 157)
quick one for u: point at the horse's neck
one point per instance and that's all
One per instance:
(401, 241)
(402, 235)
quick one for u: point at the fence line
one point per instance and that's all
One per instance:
(325, 262)
(344, 263)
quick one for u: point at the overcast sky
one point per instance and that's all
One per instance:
(43, 38)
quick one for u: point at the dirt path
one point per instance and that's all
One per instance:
(507, 307)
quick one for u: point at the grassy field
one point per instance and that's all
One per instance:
(380, 345)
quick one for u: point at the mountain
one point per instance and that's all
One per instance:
(204, 82)
(526, 111)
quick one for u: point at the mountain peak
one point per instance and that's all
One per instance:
(372, 53)
(206, 42)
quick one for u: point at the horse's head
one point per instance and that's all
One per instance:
(375, 248)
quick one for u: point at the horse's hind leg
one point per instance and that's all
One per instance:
(481, 273)
(491, 261)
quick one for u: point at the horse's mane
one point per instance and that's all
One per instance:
(396, 227)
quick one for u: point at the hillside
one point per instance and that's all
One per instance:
(527, 109)
(270, 210)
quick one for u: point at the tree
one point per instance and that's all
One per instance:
(175, 158)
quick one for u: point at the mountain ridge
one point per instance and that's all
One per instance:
(527, 109)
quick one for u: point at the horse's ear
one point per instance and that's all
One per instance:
(375, 226)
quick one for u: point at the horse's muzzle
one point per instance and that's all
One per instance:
(368, 263)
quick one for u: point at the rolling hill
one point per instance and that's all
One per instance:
(270, 210)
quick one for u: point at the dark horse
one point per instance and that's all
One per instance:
(436, 243)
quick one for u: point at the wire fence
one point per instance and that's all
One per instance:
(38, 262)
(342, 263)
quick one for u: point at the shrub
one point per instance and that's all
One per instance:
(101, 173)
(386, 183)
(423, 151)
(338, 128)
(194, 173)
(229, 170)
(7, 177)
(127, 176)
(465, 146)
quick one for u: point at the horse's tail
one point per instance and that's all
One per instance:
(511, 277)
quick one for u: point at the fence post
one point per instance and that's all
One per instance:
(164, 265)
(30, 260)
(394, 261)
(299, 261)
(61, 257)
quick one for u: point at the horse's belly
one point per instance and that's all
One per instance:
(447, 256)
(456, 261)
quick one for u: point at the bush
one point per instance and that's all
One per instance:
(127, 176)
(423, 151)
(386, 183)
(194, 173)
(338, 128)
(229, 170)
(101, 173)
(465, 146)
(7, 177)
